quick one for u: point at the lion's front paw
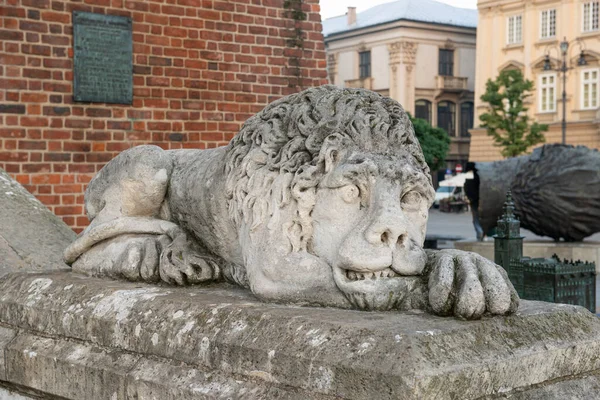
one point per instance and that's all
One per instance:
(468, 285)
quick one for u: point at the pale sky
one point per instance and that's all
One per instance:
(333, 8)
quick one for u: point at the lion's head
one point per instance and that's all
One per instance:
(337, 174)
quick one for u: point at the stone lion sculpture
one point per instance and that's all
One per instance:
(321, 199)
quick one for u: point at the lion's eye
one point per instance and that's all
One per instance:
(350, 193)
(411, 201)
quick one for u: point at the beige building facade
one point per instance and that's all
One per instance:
(422, 54)
(517, 34)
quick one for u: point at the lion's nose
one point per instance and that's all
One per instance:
(387, 231)
(388, 225)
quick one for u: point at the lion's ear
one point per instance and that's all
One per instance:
(333, 148)
(332, 156)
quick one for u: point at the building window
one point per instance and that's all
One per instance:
(446, 67)
(466, 118)
(364, 64)
(423, 110)
(515, 29)
(547, 89)
(590, 16)
(589, 89)
(548, 24)
(446, 114)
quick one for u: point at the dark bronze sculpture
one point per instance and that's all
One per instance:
(556, 191)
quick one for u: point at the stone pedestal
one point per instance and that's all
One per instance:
(585, 251)
(83, 338)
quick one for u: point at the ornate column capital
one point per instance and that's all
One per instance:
(409, 52)
(402, 52)
(395, 50)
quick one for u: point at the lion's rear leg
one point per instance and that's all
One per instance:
(133, 184)
(130, 235)
(125, 203)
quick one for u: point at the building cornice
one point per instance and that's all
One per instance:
(400, 23)
(385, 42)
(498, 3)
(509, 5)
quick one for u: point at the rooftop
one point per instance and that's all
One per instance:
(414, 10)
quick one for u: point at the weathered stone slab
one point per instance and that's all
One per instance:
(31, 237)
(314, 352)
(6, 394)
(586, 387)
(167, 381)
(6, 335)
(66, 369)
(72, 370)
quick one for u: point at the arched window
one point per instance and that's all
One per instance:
(446, 113)
(423, 110)
(466, 118)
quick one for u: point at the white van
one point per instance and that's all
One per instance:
(451, 187)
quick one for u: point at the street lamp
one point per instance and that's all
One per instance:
(564, 50)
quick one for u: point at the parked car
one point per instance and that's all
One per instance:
(443, 192)
(452, 187)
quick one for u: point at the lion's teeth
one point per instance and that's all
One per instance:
(384, 273)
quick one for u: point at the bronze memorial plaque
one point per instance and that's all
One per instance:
(103, 67)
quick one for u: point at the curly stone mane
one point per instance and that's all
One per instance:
(275, 156)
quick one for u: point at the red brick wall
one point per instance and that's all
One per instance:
(201, 68)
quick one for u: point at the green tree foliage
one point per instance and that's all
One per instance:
(434, 142)
(507, 121)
